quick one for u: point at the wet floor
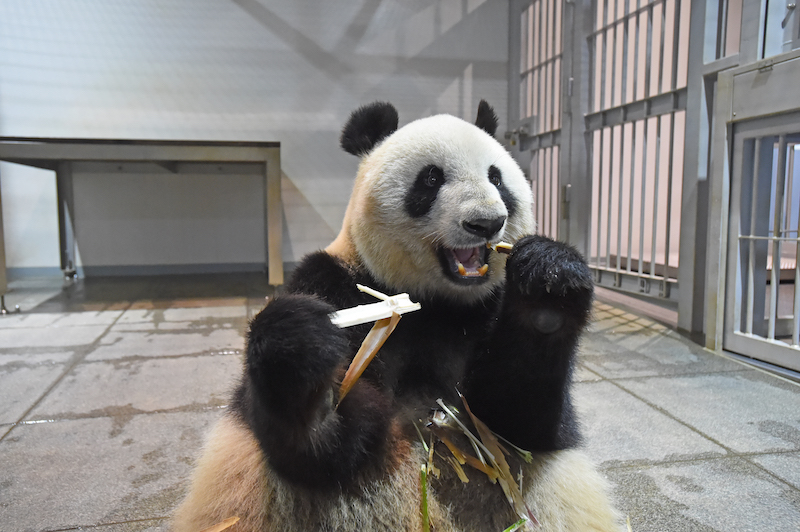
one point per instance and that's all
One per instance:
(108, 387)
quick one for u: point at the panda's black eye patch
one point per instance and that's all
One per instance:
(420, 198)
(496, 178)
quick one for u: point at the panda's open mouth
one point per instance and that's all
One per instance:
(468, 264)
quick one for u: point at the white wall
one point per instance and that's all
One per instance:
(285, 70)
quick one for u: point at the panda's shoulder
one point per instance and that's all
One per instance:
(325, 276)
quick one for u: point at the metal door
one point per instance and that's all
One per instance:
(762, 287)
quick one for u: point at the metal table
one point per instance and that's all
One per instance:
(59, 154)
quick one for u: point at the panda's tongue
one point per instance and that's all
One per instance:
(469, 263)
(464, 255)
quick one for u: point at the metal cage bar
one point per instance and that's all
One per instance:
(751, 259)
(777, 240)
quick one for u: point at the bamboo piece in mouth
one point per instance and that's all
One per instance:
(501, 247)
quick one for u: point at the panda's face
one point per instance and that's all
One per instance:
(427, 201)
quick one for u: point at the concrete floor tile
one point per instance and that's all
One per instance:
(748, 411)
(649, 338)
(22, 385)
(146, 326)
(189, 302)
(157, 316)
(31, 357)
(145, 385)
(618, 428)
(118, 344)
(72, 319)
(12, 338)
(662, 356)
(203, 313)
(783, 465)
(28, 320)
(238, 324)
(612, 324)
(722, 495)
(81, 473)
(60, 319)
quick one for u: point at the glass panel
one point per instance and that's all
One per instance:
(779, 32)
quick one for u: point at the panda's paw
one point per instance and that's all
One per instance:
(294, 353)
(540, 267)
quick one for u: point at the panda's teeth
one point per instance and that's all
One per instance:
(480, 272)
(467, 263)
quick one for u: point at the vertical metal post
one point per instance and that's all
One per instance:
(751, 29)
(66, 218)
(274, 230)
(609, 179)
(719, 194)
(656, 179)
(554, 189)
(643, 197)
(691, 278)
(648, 58)
(796, 230)
(599, 145)
(620, 163)
(583, 75)
(3, 277)
(668, 228)
(630, 195)
(661, 42)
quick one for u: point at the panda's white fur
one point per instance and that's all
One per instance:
(396, 248)
(562, 488)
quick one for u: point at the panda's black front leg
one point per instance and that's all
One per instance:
(288, 394)
(519, 384)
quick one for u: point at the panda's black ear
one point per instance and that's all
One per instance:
(367, 126)
(487, 119)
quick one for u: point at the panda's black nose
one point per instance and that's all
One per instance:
(484, 227)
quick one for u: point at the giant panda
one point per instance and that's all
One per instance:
(500, 330)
